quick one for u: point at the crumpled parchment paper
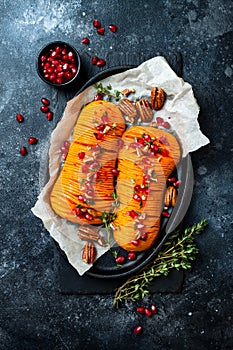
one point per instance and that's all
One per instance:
(181, 108)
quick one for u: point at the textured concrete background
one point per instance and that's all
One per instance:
(33, 313)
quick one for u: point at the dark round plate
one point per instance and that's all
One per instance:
(105, 266)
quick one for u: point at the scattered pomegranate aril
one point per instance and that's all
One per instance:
(120, 259)
(148, 312)
(45, 101)
(138, 330)
(89, 216)
(81, 198)
(98, 97)
(153, 309)
(81, 155)
(113, 28)
(166, 125)
(164, 152)
(166, 214)
(23, 151)
(99, 135)
(131, 256)
(32, 140)
(67, 144)
(101, 31)
(135, 242)
(101, 62)
(159, 120)
(19, 118)
(147, 138)
(78, 212)
(132, 214)
(115, 172)
(44, 109)
(96, 23)
(85, 41)
(94, 60)
(137, 198)
(171, 179)
(144, 236)
(141, 310)
(177, 183)
(49, 116)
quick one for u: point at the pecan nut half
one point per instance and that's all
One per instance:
(170, 196)
(128, 108)
(89, 253)
(157, 98)
(87, 233)
(144, 110)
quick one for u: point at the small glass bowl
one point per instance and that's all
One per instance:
(58, 64)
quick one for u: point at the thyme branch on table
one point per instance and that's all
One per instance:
(178, 252)
(107, 91)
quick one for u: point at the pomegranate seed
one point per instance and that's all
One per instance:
(177, 183)
(138, 330)
(81, 155)
(81, 198)
(32, 140)
(135, 242)
(44, 109)
(171, 179)
(78, 212)
(101, 62)
(164, 152)
(144, 236)
(147, 138)
(23, 151)
(166, 125)
(104, 119)
(99, 135)
(148, 312)
(153, 309)
(159, 120)
(131, 256)
(96, 23)
(45, 101)
(154, 148)
(85, 41)
(85, 169)
(141, 310)
(19, 118)
(89, 216)
(132, 213)
(100, 127)
(100, 31)
(115, 172)
(94, 60)
(166, 214)
(113, 28)
(49, 115)
(138, 189)
(67, 144)
(98, 97)
(88, 186)
(120, 259)
(141, 141)
(136, 197)
(43, 58)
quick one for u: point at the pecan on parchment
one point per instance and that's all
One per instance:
(89, 253)
(157, 98)
(88, 233)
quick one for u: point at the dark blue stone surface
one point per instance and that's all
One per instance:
(33, 313)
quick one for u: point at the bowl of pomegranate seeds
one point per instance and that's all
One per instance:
(58, 64)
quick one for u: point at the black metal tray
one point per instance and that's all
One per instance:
(105, 266)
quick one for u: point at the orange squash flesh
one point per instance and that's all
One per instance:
(132, 168)
(73, 178)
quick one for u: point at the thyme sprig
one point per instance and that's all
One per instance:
(107, 91)
(178, 252)
(107, 218)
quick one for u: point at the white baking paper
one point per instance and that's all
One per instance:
(180, 110)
